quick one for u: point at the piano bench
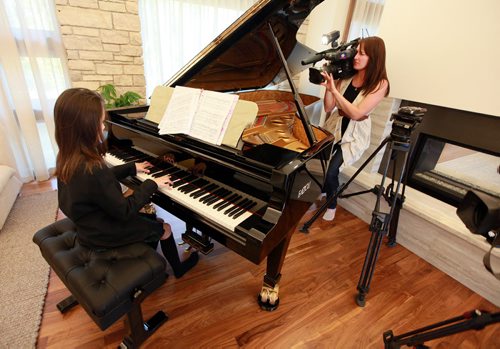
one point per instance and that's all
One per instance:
(106, 284)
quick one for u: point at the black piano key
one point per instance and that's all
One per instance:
(228, 201)
(130, 157)
(203, 190)
(179, 175)
(169, 171)
(118, 152)
(176, 182)
(252, 204)
(161, 164)
(153, 170)
(212, 195)
(236, 206)
(225, 193)
(187, 188)
(222, 197)
(127, 156)
(185, 181)
(194, 185)
(242, 208)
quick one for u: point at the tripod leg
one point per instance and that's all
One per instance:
(394, 223)
(378, 228)
(370, 259)
(343, 187)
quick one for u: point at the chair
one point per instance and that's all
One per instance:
(106, 284)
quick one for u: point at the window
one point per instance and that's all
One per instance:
(32, 74)
(174, 31)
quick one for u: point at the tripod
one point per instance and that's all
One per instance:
(475, 319)
(405, 121)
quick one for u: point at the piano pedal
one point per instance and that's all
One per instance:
(197, 242)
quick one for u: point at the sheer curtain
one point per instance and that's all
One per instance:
(366, 18)
(32, 74)
(174, 31)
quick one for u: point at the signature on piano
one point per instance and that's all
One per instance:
(304, 189)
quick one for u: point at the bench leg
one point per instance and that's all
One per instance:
(139, 330)
(66, 304)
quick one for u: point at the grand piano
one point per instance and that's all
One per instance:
(251, 197)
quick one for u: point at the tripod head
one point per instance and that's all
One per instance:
(405, 121)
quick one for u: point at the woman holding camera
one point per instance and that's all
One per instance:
(355, 98)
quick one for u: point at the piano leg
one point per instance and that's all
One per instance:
(268, 297)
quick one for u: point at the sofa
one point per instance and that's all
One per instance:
(10, 186)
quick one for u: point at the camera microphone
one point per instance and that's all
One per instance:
(313, 59)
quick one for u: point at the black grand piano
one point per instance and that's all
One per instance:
(251, 197)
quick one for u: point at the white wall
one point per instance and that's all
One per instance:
(444, 52)
(327, 16)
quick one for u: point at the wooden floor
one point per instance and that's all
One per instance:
(214, 305)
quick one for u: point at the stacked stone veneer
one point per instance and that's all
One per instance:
(103, 43)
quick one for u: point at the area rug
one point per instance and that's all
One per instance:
(24, 274)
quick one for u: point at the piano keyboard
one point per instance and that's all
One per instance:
(213, 200)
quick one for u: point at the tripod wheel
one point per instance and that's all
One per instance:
(360, 300)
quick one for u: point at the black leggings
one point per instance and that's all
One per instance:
(332, 175)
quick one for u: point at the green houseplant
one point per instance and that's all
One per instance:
(108, 92)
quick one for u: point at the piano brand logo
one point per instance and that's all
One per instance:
(304, 189)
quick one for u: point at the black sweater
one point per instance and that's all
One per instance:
(103, 216)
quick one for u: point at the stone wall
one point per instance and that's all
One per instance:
(103, 43)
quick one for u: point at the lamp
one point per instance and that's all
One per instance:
(330, 37)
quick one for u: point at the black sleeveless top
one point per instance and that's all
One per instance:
(350, 94)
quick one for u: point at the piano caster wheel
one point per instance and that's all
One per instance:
(268, 298)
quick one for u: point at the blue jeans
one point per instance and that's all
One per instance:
(331, 183)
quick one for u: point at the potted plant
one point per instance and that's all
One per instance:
(108, 92)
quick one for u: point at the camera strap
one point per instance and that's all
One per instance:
(487, 256)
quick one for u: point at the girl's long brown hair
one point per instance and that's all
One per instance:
(375, 73)
(78, 116)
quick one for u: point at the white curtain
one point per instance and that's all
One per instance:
(32, 74)
(366, 18)
(174, 31)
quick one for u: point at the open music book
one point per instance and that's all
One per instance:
(215, 117)
(198, 113)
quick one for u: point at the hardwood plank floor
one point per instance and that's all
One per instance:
(214, 305)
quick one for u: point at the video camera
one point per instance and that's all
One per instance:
(480, 213)
(340, 59)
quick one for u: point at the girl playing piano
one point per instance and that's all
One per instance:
(89, 191)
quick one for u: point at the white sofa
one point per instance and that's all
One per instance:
(10, 186)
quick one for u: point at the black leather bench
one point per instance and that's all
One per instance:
(107, 284)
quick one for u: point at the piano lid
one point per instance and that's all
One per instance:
(243, 57)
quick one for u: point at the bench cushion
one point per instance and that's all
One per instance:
(102, 282)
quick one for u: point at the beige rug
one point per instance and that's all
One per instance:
(24, 274)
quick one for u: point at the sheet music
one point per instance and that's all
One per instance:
(199, 113)
(212, 116)
(178, 116)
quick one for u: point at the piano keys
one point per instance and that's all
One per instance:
(250, 198)
(221, 204)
